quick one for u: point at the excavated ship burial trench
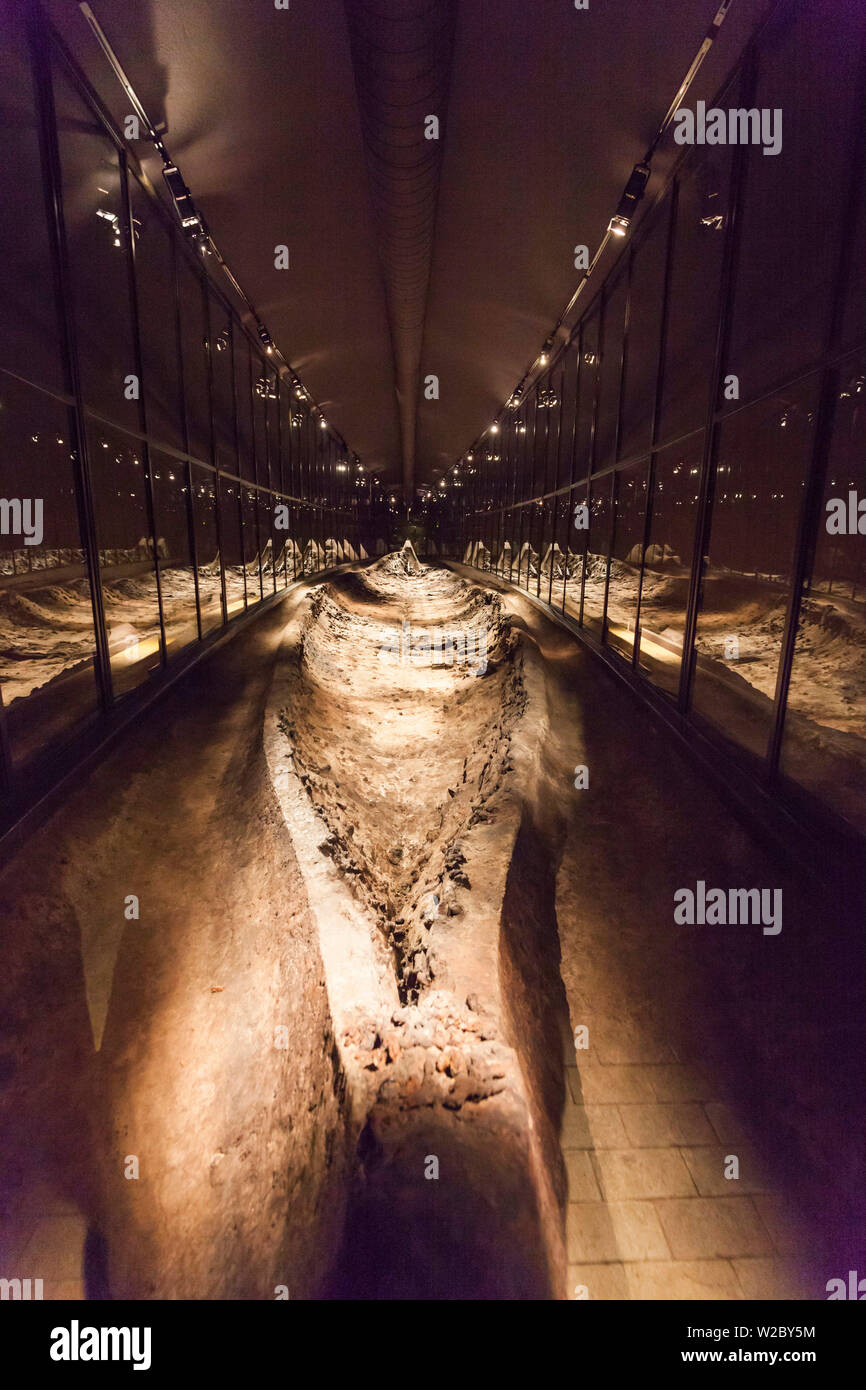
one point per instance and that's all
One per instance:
(406, 723)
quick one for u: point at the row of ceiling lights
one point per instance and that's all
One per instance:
(621, 220)
(191, 220)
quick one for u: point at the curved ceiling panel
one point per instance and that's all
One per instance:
(402, 53)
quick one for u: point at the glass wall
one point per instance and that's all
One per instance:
(824, 746)
(156, 467)
(708, 470)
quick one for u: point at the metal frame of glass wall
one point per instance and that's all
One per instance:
(170, 501)
(667, 499)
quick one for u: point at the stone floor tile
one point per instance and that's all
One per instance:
(656, 1125)
(683, 1279)
(676, 1082)
(591, 1083)
(707, 1167)
(638, 1173)
(771, 1278)
(713, 1227)
(592, 1127)
(603, 1282)
(582, 1182)
(614, 1231)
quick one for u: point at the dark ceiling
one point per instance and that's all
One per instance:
(282, 138)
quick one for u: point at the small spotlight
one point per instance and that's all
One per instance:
(190, 220)
(494, 428)
(323, 424)
(634, 191)
(265, 337)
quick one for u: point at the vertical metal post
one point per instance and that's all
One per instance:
(190, 480)
(657, 406)
(547, 483)
(213, 456)
(280, 499)
(149, 504)
(569, 510)
(238, 469)
(252, 417)
(593, 432)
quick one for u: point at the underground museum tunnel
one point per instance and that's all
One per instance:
(432, 651)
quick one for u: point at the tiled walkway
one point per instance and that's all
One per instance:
(651, 1214)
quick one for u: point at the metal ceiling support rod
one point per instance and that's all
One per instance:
(205, 239)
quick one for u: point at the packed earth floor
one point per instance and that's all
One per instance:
(405, 1011)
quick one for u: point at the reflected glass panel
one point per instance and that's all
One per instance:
(544, 394)
(644, 329)
(126, 555)
(561, 527)
(527, 559)
(154, 270)
(824, 747)
(667, 562)
(551, 570)
(693, 300)
(95, 220)
(586, 392)
(176, 570)
(194, 341)
(272, 412)
(264, 503)
(598, 540)
(250, 542)
(207, 548)
(577, 533)
(786, 263)
(29, 334)
(762, 456)
(561, 474)
(244, 398)
(222, 376)
(232, 547)
(625, 563)
(46, 619)
(261, 386)
(610, 372)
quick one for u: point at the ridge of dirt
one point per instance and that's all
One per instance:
(402, 801)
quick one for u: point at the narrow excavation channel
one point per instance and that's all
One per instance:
(391, 742)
